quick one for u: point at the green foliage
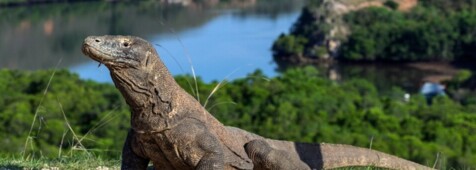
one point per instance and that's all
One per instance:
(435, 30)
(425, 33)
(462, 76)
(79, 161)
(381, 34)
(92, 109)
(298, 105)
(305, 33)
(450, 6)
(288, 44)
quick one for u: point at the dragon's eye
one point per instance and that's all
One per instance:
(125, 44)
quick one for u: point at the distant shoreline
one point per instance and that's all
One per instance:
(42, 2)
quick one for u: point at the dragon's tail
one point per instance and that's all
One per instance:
(328, 156)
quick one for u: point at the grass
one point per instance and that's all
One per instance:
(77, 161)
(77, 157)
(85, 161)
(360, 168)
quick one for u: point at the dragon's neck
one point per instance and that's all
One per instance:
(150, 93)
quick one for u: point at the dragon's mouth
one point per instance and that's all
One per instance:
(97, 55)
(108, 54)
(107, 59)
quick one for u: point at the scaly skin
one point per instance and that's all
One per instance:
(171, 129)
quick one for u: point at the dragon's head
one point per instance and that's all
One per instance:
(134, 65)
(117, 52)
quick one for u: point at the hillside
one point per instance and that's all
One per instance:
(328, 16)
(83, 117)
(388, 31)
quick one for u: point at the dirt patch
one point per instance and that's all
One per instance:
(440, 71)
(406, 5)
(403, 5)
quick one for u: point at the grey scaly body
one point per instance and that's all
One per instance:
(173, 131)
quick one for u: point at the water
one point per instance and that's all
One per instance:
(226, 47)
(221, 41)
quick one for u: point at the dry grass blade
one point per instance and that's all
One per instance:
(436, 161)
(38, 108)
(218, 86)
(61, 144)
(371, 142)
(219, 103)
(101, 123)
(78, 145)
(195, 79)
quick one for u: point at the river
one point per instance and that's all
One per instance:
(216, 41)
(219, 40)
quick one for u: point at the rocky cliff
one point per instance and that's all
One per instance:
(323, 29)
(335, 9)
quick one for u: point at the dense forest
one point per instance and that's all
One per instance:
(56, 114)
(299, 105)
(434, 30)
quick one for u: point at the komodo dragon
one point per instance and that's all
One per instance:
(171, 129)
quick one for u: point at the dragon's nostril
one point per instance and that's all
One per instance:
(97, 40)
